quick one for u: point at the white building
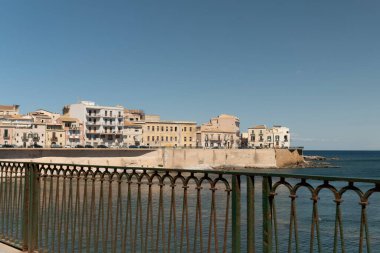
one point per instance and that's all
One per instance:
(262, 137)
(103, 125)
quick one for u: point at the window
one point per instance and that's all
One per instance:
(167, 129)
(162, 129)
(105, 113)
(175, 138)
(152, 138)
(171, 138)
(171, 129)
(148, 138)
(184, 129)
(162, 138)
(167, 138)
(175, 129)
(190, 139)
(60, 135)
(184, 138)
(153, 128)
(190, 129)
(148, 128)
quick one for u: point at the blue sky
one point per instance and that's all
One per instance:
(309, 65)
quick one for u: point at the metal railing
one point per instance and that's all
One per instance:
(84, 208)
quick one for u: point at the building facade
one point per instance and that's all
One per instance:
(158, 133)
(262, 137)
(32, 136)
(221, 132)
(103, 125)
(73, 131)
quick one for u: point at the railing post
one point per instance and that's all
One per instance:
(31, 205)
(236, 239)
(251, 214)
(267, 214)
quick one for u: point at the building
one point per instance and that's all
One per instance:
(159, 133)
(55, 135)
(133, 125)
(103, 125)
(32, 136)
(221, 132)
(6, 110)
(9, 123)
(262, 137)
(44, 117)
(73, 131)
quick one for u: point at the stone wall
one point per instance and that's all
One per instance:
(162, 157)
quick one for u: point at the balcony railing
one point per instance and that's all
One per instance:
(84, 208)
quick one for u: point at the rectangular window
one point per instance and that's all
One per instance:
(184, 129)
(167, 138)
(175, 129)
(152, 138)
(184, 138)
(148, 138)
(190, 138)
(191, 129)
(171, 129)
(153, 128)
(162, 138)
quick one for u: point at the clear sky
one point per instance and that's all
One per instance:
(313, 66)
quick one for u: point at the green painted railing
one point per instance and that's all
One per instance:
(84, 208)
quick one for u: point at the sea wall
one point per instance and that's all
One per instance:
(161, 157)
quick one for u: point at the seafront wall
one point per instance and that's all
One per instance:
(161, 157)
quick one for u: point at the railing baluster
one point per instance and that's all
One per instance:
(251, 214)
(267, 214)
(236, 206)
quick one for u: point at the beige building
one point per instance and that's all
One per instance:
(8, 125)
(133, 125)
(9, 110)
(55, 135)
(30, 136)
(44, 117)
(262, 137)
(73, 131)
(221, 132)
(158, 133)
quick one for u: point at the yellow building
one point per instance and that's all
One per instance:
(55, 135)
(157, 133)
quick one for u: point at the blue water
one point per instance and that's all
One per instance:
(363, 164)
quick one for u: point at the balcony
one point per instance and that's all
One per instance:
(54, 139)
(94, 115)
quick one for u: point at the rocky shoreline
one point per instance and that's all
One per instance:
(316, 162)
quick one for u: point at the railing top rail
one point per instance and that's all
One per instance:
(237, 172)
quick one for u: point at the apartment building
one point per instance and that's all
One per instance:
(262, 137)
(133, 127)
(8, 110)
(103, 125)
(73, 131)
(30, 136)
(159, 133)
(9, 123)
(55, 135)
(44, 117)
(220, 132)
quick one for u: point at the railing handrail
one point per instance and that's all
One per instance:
(232, 171)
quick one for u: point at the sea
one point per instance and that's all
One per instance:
(347, 164)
